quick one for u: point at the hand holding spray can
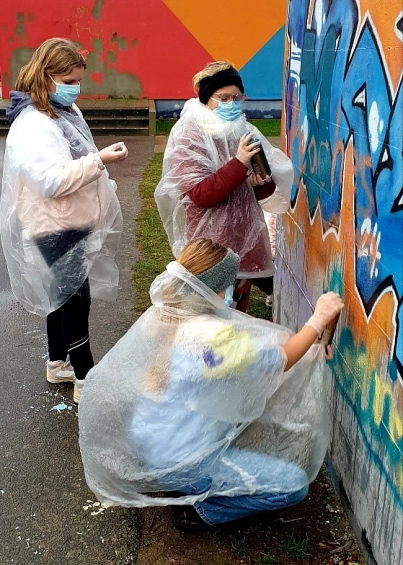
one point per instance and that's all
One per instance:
(259, 161)
(327, 337)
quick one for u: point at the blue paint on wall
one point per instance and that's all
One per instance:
(262, 76)
(337, 91)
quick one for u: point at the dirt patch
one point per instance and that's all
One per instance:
(316, 532)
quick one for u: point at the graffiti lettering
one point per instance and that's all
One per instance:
(368, 245)
(340, 100)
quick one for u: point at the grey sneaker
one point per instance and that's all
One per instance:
(78, 387)
(59, 372)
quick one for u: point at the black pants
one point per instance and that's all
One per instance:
(243, 288)
(264, 284)
(68, 326)
(67, 329)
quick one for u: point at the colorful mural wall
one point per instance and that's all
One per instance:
(151, 48)
(343, 104)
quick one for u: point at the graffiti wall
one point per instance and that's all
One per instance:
(151, 48)
(343, 104)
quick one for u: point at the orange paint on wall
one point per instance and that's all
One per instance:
(328, 251)
(235, 30)
(384, 22)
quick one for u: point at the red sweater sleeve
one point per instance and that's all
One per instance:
(218, 186)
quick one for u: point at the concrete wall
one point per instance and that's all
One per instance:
(151, 48)
(343, 104)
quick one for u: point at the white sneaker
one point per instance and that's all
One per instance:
(78, 387)
(59, 372)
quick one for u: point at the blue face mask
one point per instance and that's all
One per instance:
(228, 298)
(229, 111)
(65, 94)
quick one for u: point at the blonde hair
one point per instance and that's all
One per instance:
(197, 256)
(54, 56)
(210, 70)
(200, 255)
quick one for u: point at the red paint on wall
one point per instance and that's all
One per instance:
(141, 38)
(97, 77)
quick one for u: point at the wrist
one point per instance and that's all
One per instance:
(246, 165)
(99, 161)
(314, 324)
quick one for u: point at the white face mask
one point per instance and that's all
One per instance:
(228, 298)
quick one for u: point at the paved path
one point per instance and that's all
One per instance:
(47, 513)
(48, 516)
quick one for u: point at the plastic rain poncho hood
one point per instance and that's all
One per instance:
(199, 144)
(192, 387)
(42, 197)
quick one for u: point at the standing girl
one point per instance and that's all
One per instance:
(59, 213)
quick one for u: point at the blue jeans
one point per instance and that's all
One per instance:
(290, 479)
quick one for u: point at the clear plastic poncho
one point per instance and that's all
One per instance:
(196, 391)
(55, 197)
(199, 144)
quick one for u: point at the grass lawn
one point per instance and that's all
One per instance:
(151, 239)
(154, 249)
(164, 126)
(267, 127)
(301, 534)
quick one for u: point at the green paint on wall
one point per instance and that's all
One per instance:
(112, 57)
(98, 46)
(114, 84)
(97, 9)
(20, 27)
(30, 17)
(19, 58)
(121, 41)
(334, 280)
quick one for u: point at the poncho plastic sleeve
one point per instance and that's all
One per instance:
(188, 160)
(282, 175)
(265, 191)
(46, 163)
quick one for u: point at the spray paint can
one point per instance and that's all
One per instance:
(327, 336)
(259, 161)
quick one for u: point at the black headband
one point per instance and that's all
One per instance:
(227, 77)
